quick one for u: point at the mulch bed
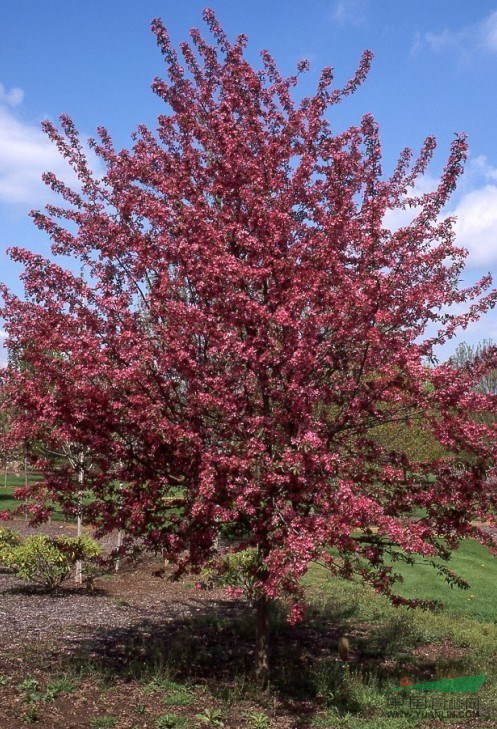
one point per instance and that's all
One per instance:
(128, 612)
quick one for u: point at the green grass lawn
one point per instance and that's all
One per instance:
(380, 632)
(474, 564)
(9, 503)
(7, 500)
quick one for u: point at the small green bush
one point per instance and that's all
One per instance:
(31, 689)
(211, 717)
(8, 541)
(37, 559)
(47, 561)
(103, 722)
(171, 721)
(236, 570)
(258, 720)
(78, 548)
(178, 698)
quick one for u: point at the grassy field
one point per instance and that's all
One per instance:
(459, 640)
(474, 564)
(7, 500)
(7, 488)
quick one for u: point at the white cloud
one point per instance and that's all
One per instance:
(417, 44)
(25, 154)
(13, 97)
(479, 167)
(349, 12)
(481, 36)
(446, 39)
(489, 32)
(475, 212)
(476, 225)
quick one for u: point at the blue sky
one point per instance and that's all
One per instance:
(434, 71)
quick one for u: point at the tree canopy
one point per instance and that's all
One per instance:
(240, 323)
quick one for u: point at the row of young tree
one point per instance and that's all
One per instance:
(239, 336)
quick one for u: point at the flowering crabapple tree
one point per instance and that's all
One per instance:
(240, 324)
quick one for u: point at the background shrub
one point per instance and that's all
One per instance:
(8, 541)
(48, 561)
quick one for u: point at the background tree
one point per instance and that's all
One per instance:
(475, 356)
(242, 326)
(476, 359)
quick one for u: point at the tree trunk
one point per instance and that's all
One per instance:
(120, 534)
(25, 477)
(261, 666)
(78, 577)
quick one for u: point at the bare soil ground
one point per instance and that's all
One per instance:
(112, 644)
(140, 650)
